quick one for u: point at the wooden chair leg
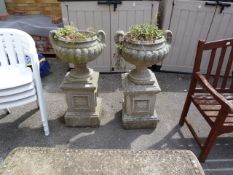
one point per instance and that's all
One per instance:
(208, 145)
(185, 110)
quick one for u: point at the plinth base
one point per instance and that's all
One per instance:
(139, 122)
(84, 119)
(138, 110)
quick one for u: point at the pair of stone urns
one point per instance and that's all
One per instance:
(139, 85)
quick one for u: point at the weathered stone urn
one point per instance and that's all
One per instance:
(140, 85)
(143, 54)
(79, 53)
(81, 83)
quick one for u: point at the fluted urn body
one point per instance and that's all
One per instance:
(143, 54)
(79, 53)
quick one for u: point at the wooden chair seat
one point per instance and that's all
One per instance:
(209, 108)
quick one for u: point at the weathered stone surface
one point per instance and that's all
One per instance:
(78, 52)
(139, 104)
(137, 122)
(84, 107)
(55, 161)
(85, 119)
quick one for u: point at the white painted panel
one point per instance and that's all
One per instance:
(190, 22)
(128, 14)
(222, 28)
(89, 14)
(165, 12)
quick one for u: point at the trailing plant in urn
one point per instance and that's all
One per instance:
(71, 34)
(143, 45)
(77, 47)
(144, 32)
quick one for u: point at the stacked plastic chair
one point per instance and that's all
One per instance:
(20, 84)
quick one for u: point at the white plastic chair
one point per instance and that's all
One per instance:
(20, 84)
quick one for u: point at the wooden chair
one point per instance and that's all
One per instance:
(20, 84)
(210, 95)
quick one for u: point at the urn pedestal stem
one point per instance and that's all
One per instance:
(141, 70)
(141, 75)
(80, 73)
(82, 69)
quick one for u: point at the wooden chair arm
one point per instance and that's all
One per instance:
(217, 96)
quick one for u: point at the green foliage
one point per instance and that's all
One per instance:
(71, 34)
(144, 32)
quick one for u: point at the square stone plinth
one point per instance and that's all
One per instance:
(57, 161)
(139, 104)
(84, 119)
(84, 107)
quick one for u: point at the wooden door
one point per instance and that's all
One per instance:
(127, 14)
(190, 22)
(89, 14)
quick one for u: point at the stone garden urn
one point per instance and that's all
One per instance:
(143, 54)
(140, 85)
(81, 83)
(79, 53)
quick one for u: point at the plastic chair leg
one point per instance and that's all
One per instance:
(43, 112)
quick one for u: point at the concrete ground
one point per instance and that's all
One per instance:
(23, 126)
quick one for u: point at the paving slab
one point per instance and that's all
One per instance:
(57, 161)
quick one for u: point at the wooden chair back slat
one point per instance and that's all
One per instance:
(218, 44)
(228, 69)
(198, 57)
(211, 63)
(219, 67)
(224, 62)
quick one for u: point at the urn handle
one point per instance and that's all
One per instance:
(101, 36)
(51, 36)
(119, 36)
(168, 35)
